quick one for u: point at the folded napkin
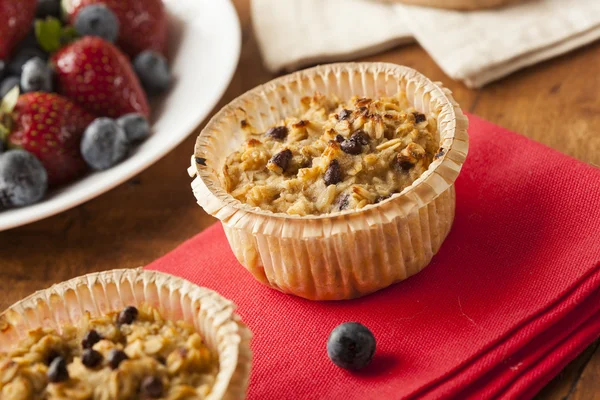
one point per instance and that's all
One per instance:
(476, 47)
(512, 296)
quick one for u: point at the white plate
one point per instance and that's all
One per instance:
(205, 39)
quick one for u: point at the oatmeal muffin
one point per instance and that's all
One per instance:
(121, 355)
(135, 352)
(336, 181)
(333, 155)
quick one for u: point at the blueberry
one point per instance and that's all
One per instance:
(48, 8)
(97, 20)
(8, 84)
(136, 127)
(57, 371)
(153, 71)
(30, 41)
(104, 144)
(23, 179)
(36, 76)
(351, 346)
(15, 66)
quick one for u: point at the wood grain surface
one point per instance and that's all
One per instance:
(555, 103)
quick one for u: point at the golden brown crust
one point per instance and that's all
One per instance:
(333, 155)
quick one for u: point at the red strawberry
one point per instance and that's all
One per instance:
(143, 24)
(15, 21)
(97, 76)
(50, 126)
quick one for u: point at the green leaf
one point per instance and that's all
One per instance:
(48, 33)
(4, 132)
(68, 34)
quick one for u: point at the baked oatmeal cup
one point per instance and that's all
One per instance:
(123, 334)
(337, 181)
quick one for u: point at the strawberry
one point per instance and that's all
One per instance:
(143, 24)
(97, 76)
(16, 17)
(50, 127)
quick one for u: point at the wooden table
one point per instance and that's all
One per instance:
(556, 103)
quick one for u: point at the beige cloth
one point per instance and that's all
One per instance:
(476, 47)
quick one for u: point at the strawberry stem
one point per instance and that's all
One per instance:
(48, 33)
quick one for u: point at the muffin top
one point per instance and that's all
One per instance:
(333, 156)
(130, 354)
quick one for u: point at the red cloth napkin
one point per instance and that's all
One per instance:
(512, 296)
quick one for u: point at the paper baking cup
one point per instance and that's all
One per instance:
(457, 4)
(344, 254)
(212, 315)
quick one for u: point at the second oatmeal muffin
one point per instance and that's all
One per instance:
(126, 335)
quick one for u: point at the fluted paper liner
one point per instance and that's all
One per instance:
(177, 299)
(344, 254)
(458, 4)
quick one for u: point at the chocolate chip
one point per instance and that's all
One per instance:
(419, 117)
(151, 387)
(361, 137)
(57, 371)
(282, 159)
(301, 124)
(344, 202)
(379, 199)
(307, 163)
(278, 132)
(116, 357)
(339, 138)
(51, 356)
(90, 339)
(201, 161)
(405, 165)
(440, 153)
(333, 175)
(400, 163)
(344, 114)
(351, 146)
(127, 316)
(91, 358)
